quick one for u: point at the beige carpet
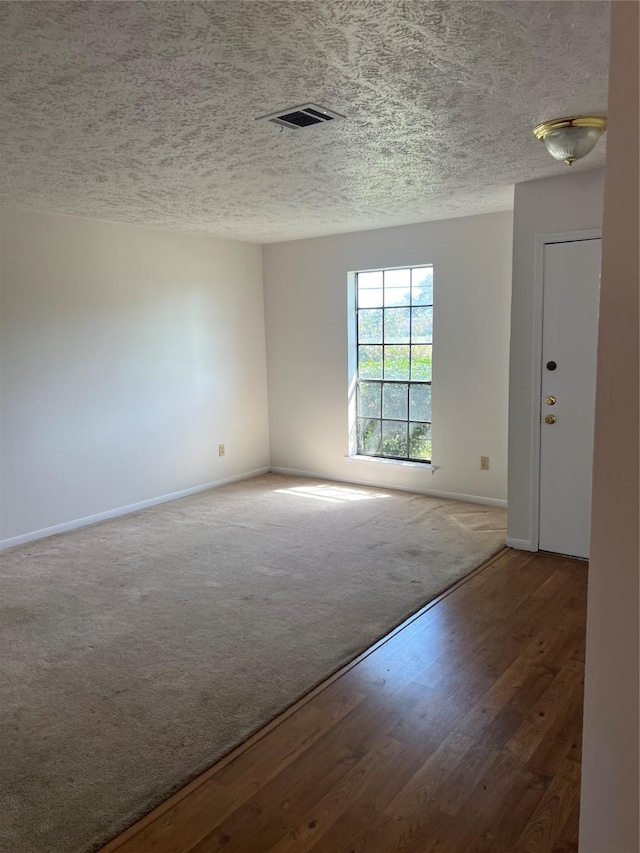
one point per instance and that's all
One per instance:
(138, 651)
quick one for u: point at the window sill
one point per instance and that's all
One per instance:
(424, 466)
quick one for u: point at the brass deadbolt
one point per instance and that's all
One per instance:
(550, 401)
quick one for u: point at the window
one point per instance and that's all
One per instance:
(394, 340)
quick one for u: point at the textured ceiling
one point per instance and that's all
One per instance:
(144, 111)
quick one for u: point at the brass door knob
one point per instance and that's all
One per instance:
(550, 401)
(550, 419)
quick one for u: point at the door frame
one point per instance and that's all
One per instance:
(542, 240)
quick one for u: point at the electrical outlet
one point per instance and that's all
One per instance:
(484, 463)
(221, 450)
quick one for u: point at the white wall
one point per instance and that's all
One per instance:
(567, 203)
(128, 354)
(307, 352)
(609, 819)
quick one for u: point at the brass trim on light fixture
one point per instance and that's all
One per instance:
(597, 122)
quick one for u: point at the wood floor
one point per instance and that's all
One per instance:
(459, 734)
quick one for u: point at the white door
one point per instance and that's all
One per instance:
(569, 348)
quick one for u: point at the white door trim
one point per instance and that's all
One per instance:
(542, 240)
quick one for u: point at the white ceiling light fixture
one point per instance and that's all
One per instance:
(572, 138)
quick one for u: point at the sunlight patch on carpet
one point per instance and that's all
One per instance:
(333, 494)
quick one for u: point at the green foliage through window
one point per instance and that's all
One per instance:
(395, 350)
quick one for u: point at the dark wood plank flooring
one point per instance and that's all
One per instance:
(459, 734)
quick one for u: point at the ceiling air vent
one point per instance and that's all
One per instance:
(304, 115)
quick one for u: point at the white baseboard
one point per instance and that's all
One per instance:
(520, 544)
(124, 510)
(454, 496)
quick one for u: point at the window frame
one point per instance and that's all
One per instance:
(357, 382)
